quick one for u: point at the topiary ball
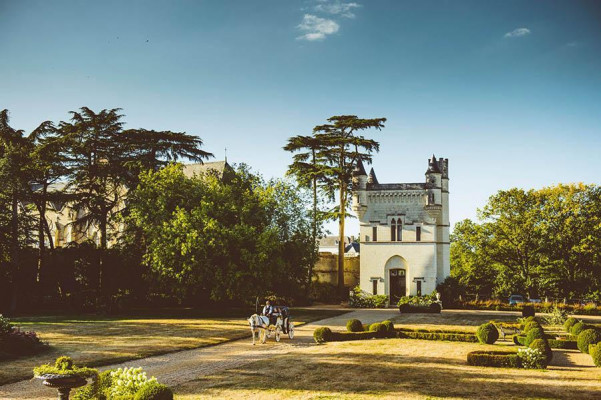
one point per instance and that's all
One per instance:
(543, 346)
(154, 391)
(389, 325)
(404, 308)
(322, 335)
(487, 333)
(569, 323)
(533, 334)
(435, 308)
(354, 325)
(586, 337)
(578, 327)
(595, 352)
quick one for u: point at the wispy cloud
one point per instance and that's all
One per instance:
(519, 32)
(316, 28)
(338, 8)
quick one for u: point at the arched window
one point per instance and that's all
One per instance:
(393, 230)
(399, 230)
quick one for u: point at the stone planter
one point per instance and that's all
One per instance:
(63, 383)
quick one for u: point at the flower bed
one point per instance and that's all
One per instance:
(419, 304)
(361, 299)
(16, 343)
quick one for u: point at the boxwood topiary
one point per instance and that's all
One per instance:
(154, 391)
(531, 324)
(534, 333)
(528, 311)
(595, 352)
(435, 308)
(487, 333)
(389, 325)
(586, 337)
(380, 329)
(322, 335)
(578, 327)
(493, 359)
(354, 325)
(569, 323)
(543, 346)
(519, 340)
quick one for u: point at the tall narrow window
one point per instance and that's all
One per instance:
(399, 230)
(393, 230)
(419, 288)
(418, 233)
(374, 233)
(374, 286)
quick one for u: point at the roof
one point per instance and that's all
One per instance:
(197, 169)
(433, 167)
(396, 186)
(359, 169)
(372, 177)
(352, 248)
(332, 241)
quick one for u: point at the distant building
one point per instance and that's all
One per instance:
(65, 221)
(329, 244)
(404, 230)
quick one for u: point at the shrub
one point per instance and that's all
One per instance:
(578, 327)
(493, 359)
(97, 390)
(64, 366)
(322, 335)
(127, 382)
(528, 311)
(563, 344)
(534, 333)
(360, 299)
(389, 325)
(531, 324)
(519, 340)
(154, 391)
(569, 323)
(532, 358)
(556, 316)
(435, 308)
(595, 352)
(380, 329)
(487, 333)
(450, 336)
(404, 308)
(354, 325)
(5, 326)
(586, 337)
(543, 346)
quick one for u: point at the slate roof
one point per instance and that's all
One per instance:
(198, 168)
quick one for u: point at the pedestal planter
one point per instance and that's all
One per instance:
(63, 383)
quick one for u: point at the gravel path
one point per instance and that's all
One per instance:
(180, 367)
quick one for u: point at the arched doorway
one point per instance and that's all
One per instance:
(396, 271)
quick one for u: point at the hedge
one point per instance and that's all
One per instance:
(563, 344)
(452, 337)
(323, 334)
(519, 340)
(487, 333)
(354, 325)
(569, 323)
(433, 308)
(543, 346)
(595, 352)
(493, 359)
(578, 327)
(534, 333)
(349, 336)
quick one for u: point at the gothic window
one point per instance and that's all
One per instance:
(399, 231)
(418, 233)
(374, 234)
(393, 230)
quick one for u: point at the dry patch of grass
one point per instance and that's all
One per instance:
(95, 341)
(392, 368)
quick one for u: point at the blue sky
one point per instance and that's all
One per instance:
(509, 91)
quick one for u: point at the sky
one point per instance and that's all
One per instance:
(508, 91)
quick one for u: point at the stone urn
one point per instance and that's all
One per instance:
(63, 383)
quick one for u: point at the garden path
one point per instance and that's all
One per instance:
(183, 366)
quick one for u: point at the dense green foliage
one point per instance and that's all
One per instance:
(230, 238)
(538, 243)
(64, 366)
(354, 325)
(493, 359)
(154, 391)
(361, 299)
(570, 322)
(487, 333)
(534, 333)
(595, 352)
(578, 327)
(588, 337)
(543, 346)
(532, 358)
(15, 343)
(322, 334)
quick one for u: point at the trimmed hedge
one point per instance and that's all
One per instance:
(452, 337)
(578, 327)
(322, 335)
(349, 336)
(563, 344)
(595, 352)
(354, 325)
(487, 333)
(519, 340)
(530, 325)
(154, 391)
(586, 337)
(543, 346)
(380, 329)
(389, 325)
(493, 359)
(433, 308)
(569, 323)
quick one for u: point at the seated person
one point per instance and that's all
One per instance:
(269, 312)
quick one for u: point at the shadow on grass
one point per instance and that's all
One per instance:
(352, 373)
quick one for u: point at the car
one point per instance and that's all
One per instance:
(515, 299)
(535, 301)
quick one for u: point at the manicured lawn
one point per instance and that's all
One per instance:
(452, 320)
(394, 369)
(94, 341)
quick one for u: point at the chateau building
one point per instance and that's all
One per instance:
(404, 230)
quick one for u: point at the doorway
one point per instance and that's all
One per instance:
(398, 285)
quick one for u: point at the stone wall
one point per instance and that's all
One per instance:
(326, 270)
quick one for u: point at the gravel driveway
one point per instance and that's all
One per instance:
(183, 366)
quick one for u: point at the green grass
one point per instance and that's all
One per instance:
(93, 341)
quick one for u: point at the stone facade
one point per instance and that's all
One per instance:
(404, 230)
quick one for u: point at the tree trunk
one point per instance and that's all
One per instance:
(14, 251)
(341, 238)
(41, 229)
(313, 235)
(103, 245)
